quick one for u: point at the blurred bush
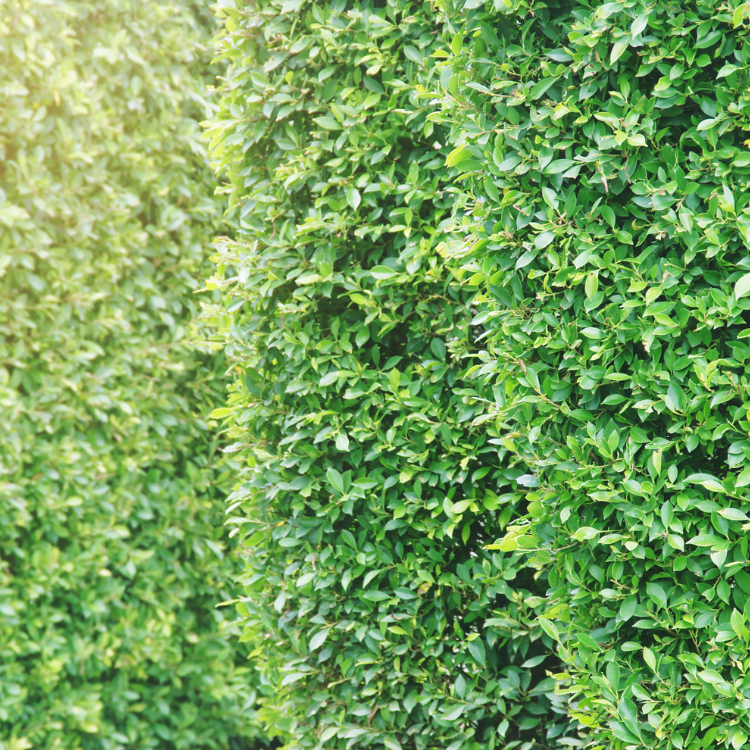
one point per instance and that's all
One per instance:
(111, 558)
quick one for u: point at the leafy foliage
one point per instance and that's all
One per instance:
(605, 147)
(378, 617)
(110, 540)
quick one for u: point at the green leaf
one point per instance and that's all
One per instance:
(509, 163)
(628, 607)
(609, 215)
(706, 480)
(458, 155)
(329, 378)
(676, 542)
(541, 87)
(544, 239)
(629, 713)
(711, 676)
(576, 258)
(383, 272)
(558, 166)
(738, 623)
(335, 480)
(353, 198)
(732, 514)
(584, 533)
(639, 24)
(328, 123)
(706, 124)
(453, 713)
(112, 452)
(592, 333)
(549, 628)
(319, 639)
(657, 594)
(623, 733)
(535, 661)
(727, 70)
(742, 287)
(649, 658)
(740, 12)
(438, 348)
(592, 285)
(618, 48)
(705, 540)
(476, 649)
(376, 596)
(394, 378)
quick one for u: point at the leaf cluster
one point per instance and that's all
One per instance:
(377, 615)
(604, 147)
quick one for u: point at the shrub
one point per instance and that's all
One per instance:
(110, 534)
(376, 613)
(609, 241)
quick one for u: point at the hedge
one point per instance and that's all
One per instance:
(111, 546)
(377, 615)
(606, 156)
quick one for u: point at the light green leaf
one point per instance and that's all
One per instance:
(353, 197)
(740, 12)
(705, 540)
(628, 607)
(711, 676)
(319, 639)
(732, 514)
(592, 285)
(457, 155)
(584, 533)
(618, 48)
(335, 479)
(650, 658)
(544, 239)
(742, 287)
(383, 272)
(549, 628)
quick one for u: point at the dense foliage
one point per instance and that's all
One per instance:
(110, 542)
(606, 151)
(377, 614)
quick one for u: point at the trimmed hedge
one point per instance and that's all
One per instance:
(606, 149)
(378, 617)
(110, 535)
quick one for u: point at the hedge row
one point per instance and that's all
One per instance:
(378, 616)
(605, 148)
(558, 192)
(111, 552)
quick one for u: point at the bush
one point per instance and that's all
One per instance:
(377, 614)
(609, 166)
(110, 535)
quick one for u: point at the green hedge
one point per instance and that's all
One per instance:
(605, 146)
(378, 617)
(110, 537)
